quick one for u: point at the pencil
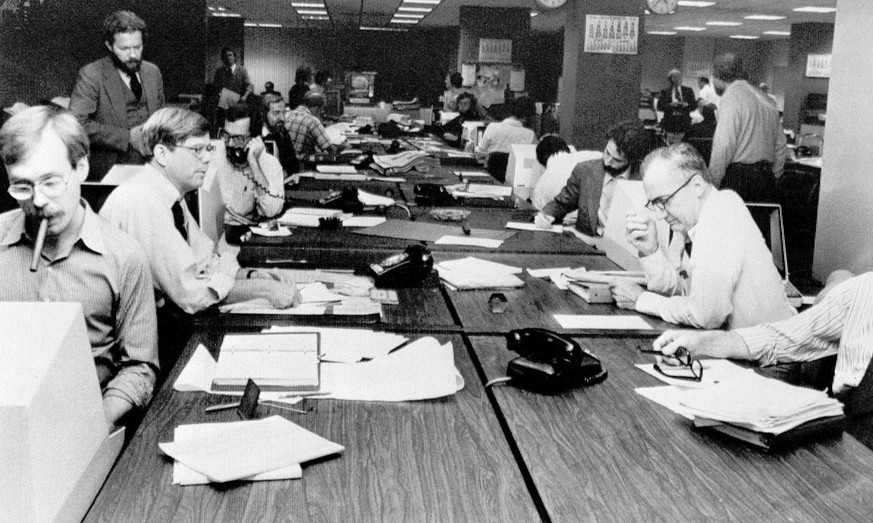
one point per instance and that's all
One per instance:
(40, 241)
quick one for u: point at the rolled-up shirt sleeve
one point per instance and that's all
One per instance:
(271, 203)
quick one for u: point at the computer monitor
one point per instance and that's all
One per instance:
(768, 217)
(523, 170)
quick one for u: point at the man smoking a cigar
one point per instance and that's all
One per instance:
(83, 259)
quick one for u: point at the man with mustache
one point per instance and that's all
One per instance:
(592, 184)
(115, 95)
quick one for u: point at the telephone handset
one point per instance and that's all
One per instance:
(346, 200)
(549, 363)
(406, 269)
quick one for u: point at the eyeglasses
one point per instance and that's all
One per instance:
(234, 139)
(661, 202)
(680, 366)
(52, 187)
(199, 150)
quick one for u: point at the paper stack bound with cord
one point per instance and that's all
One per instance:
(765, 412)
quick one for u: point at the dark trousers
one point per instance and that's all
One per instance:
(754, 182)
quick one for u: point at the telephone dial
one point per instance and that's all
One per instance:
(406, 269)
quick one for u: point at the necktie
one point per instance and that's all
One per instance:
(179, 220)
(135, 86)
(678, 94)
(688, 248)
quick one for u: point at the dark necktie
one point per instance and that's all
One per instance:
(688, 248)
(179, 220)
(678, 94)
(135, 86)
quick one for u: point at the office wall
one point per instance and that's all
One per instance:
(545, 57)
(806, 39)
(660, 54)
(408, 64)
(843, 237)
(224, 32)
(42, 47)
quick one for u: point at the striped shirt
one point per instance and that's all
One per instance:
(244, 203)
(307, 132)
(107, 273)
(841, 324)
(194, 274)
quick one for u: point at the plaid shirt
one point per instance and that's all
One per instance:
(307, 132)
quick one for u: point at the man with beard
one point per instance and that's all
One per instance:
(188, 268)
(717, 271)
(273, 130)
(592, 184)
(115, 95)
(250, 178)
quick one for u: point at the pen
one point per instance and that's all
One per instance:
(223, 406)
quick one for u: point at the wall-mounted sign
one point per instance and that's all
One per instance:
(818, 65)
(611, 34)
(495, 50)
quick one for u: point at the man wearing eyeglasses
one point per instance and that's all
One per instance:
(84, 259)
(189, 269)
(717, 271)
(251, 179)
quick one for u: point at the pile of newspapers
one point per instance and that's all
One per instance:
(404, 162)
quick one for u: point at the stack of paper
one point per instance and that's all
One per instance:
(760, 404)
(271, 448)
(581, 275)
(349, 345)
(404, 162)
(307, 216)
(479, 190)
(474, 273)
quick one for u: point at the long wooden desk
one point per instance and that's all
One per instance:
(535, 304)
(440, 460)
(605, 453)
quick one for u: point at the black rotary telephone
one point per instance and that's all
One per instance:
(406, 269)
(549, 363)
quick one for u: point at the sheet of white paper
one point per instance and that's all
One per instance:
(473, 264)
(421, 370)
(374, 199)
(387, 178)
(460, 155)
(349, 345)
(666, 396)
(341, 177)
(472, 174)
(547, 273)
(198, 373)
(183, 475)
(521, 226)
(363, 221)
(245, 448)
(262, 231)
(263, 306)
(714, 371)
(582, 321)
(469, 241)
(336, 169)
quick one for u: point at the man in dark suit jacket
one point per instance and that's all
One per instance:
(676, 102)
(592, 184)
(115, 95)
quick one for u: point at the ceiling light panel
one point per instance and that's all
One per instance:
(820, 10)
(689, 28)
(694, 3)
(415, 9)
(744, 37)
(765, 17)
(724, 24)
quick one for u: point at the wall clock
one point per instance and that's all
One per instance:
(662, 7)
(551, 4)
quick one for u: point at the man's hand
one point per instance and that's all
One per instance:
(256, 147)
(114, 408)
(543, 221)
(625, 293)
(641, 232)
(700, 344)
(282, 294)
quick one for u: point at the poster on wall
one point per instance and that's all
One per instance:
(611, 34)
(495, 50)
(697, 68)
(818, 65)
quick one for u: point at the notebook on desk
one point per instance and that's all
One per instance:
(768, 217)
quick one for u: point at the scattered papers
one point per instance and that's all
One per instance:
(374, 199)
(469, 241)
(666, 396)
(307, 216)
(589, 322)
(242, 449)
(264, 231)
(478, 190)
(714, 371)
(315, 298)
(456, 154)
(472, 174)
(336, 169)
(474, 273)
(183, 475)
(198, 372)
(349, 345)
(473, 264)
(606, 277)
(421, 370)
(521, 226)
(363, 221)
(556, 275)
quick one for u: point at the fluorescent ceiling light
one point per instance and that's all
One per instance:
(227, 15)
(316, 18)
(689, 28)
(822, 10)
(415, 9)
(270, 25)
(744, 37)
(404, 15)
(250, 24)
(667, 33)
(319, 5)
(321, 12)
(725, 24)
(778, 33)
(403, 21)
(396, 29)
(431, 2)
(765, 17)
(694, 3)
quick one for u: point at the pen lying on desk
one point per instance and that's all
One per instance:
(223, 406)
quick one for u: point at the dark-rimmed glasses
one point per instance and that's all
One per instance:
(660, 203)
(51, 187)
(680, 366)
(237, 140)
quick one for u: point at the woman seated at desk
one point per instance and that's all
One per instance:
(453, 130)
(499, 136)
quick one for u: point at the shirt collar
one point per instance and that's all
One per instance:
(512, 121)
(165, 190)
(89, 235)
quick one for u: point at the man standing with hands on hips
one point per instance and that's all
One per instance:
(115, 95)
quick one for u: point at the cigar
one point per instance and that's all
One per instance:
(40, 241)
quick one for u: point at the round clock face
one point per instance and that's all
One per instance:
(551, 4)
(662, 7)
